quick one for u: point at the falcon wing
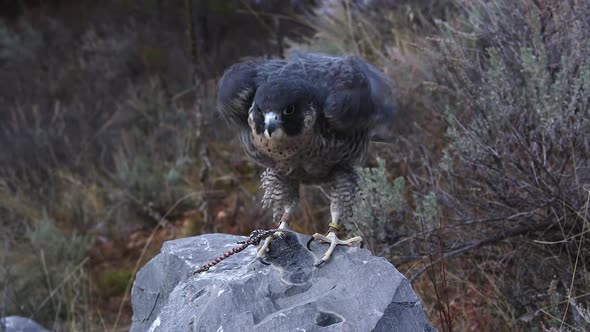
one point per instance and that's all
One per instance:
(358, 96)
(235, 92)
(383, 101)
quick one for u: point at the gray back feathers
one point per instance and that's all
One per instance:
(353, 95)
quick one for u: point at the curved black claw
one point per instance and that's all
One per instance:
(322, 262)
(362, 244)
(309, 243)
(261, 260)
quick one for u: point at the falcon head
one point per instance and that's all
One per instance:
(284, 109)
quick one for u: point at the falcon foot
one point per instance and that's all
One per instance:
(261, 260)
(266, 245)
(334, 241)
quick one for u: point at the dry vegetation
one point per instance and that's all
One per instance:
(482, 201)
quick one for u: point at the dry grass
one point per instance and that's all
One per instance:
(493, 175)
(98, 138)
(482, 201)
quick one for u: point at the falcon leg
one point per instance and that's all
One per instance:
(280, 194)
(266, 245)
(341, 203)
(333, 240)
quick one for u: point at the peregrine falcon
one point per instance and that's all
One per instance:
(307, 119)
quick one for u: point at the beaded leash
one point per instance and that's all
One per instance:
(255, 237)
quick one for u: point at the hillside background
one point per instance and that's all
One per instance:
(109, 145)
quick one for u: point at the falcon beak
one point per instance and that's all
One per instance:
(271, 123)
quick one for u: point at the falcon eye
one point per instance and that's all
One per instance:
(289, 110)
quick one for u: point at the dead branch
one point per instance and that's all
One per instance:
(478, 244)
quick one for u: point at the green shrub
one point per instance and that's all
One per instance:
(115, 282)
(380, 214)
(515, 78)
(46, 275)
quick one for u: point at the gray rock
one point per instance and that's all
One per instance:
(20, 324)
(354, 291)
